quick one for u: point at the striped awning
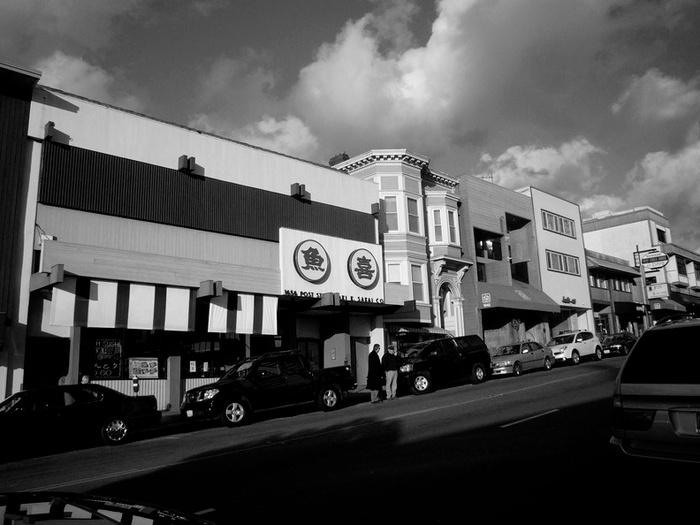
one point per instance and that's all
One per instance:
(95, 303)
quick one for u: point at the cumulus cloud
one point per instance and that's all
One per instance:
(75, 75)
(569, 169)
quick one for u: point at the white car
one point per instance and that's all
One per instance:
(573, 346)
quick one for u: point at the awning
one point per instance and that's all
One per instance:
(667, 304)
(593, 262)
(240, 313)
(518, 296)
(94, 303)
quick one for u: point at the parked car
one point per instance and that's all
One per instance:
(73, 507)
(620, 343)
(521, 357)
(266, 382)
(443, 361)
(656, 398)
(41, 416)
(573, 346)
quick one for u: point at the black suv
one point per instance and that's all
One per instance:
(443, 361)
(656, 401)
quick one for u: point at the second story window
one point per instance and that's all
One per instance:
(413, 216)
(437, 225)
(488, 245)
(452, 224)
(559, 262)
(391, 214)
(417, 282)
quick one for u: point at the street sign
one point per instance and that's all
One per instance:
(654, 260)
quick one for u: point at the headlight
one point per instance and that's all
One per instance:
(500, 364)
(207, 394)
(406, 368)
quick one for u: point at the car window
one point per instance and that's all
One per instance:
(268, 368)
(668, 356)
(561, 339)
(506, 350)
(15, 402)
(292, 364)
(49, 399)
(469, 343)
(450, 349)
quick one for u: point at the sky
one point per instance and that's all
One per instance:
(595, 101)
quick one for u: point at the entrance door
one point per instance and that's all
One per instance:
(359, 352)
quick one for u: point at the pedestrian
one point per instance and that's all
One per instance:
(375, 374)
(390, 362)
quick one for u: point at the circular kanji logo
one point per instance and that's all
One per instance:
(363, 269)
(312, 262)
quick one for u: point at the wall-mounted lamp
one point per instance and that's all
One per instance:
(49, 130)
(298, 191)
(186, 164)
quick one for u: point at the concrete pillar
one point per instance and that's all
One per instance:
(174, 382)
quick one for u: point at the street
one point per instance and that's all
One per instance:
(530, 446)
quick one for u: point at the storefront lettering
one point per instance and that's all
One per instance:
(318, 295)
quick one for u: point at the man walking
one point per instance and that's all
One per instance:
(390, 362)
(375, 374)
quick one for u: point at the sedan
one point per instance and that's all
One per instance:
(67, 413)
(520, 357)
(620, 343)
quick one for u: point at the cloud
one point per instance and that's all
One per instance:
(569, 170)
(75, 75)
(670, 183)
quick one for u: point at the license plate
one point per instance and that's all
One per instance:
(189, 413)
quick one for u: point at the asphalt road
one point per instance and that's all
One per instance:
(531, 447)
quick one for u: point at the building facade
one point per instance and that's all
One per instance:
(147, 249)
(419, 228)
(671, 273)
(501, 237)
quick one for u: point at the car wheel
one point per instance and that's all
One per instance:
(328, 398)
(115, 430)
(575, 358)
(547, 363)
(598, 353)
(422, 384)
(517, 369)
(234, 413)
(478, 373)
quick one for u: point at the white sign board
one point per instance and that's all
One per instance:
(312, 265)
(654, 260)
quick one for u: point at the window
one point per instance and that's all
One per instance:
(559, 262)
(558, 224)
(481, 272)
(393, 273)
(452, 223)
(680, 262)
(417, 282)
(661, 235)
(488, 245)
(437, 225)
(413, 217)
(391, 214)
(697, 271)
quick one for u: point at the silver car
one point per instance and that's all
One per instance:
(656, 400)
(520, 357)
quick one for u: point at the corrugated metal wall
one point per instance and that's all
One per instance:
(14, 118)
(90, 181)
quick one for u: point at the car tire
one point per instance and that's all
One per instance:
(598, 353)
(517, 369)
(547, 363)
(234, 413)
(575, 357)
(422, 383)
(328, 398)
(115, 430)
(478, 373)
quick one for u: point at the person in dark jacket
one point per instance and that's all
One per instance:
(375, 374)
(390, 362)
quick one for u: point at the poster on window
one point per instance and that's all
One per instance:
(143, 367)
(108, 359)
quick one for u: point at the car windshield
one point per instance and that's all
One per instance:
(614, 337)
(561, 339)
(239, 371)
(507, 350)
(416, 349)
(11, 401)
